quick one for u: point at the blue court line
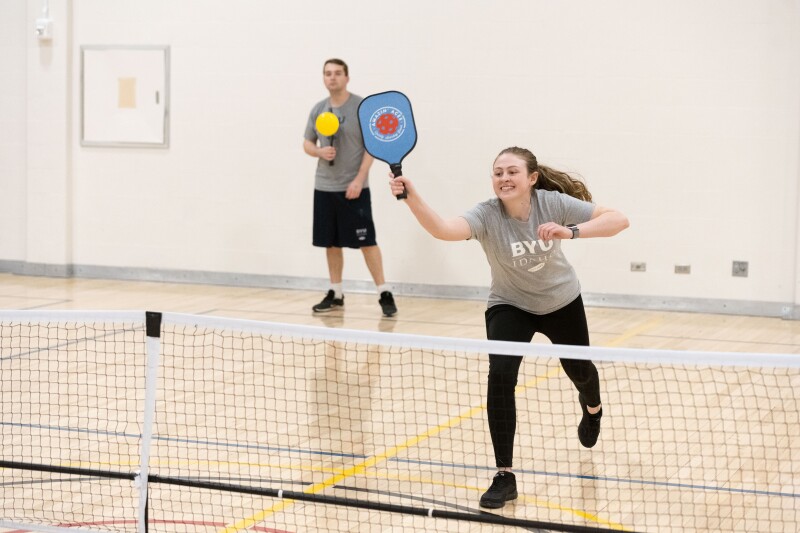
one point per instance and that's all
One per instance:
(64, 345)
(670, 484)
(260, 447)
(73, 430)
(607, 479)
(185, 441)
(30, 482)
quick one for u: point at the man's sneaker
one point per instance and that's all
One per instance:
(329, 303)
(503, 489)
(387, 304)
(589, 428)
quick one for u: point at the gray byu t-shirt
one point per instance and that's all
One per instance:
(528, 273)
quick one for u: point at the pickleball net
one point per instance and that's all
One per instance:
(133, 421)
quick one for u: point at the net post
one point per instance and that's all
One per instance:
(153, 332)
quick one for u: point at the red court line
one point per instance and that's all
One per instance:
(182, 522)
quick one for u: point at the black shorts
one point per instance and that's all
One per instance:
(343, 223)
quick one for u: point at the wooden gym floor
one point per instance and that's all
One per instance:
(464, 319)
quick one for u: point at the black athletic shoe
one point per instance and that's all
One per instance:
(503, 489)
(387, 304)
(329, 303)
(589, 428)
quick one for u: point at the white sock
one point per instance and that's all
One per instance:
(382, 288)
(337, 289)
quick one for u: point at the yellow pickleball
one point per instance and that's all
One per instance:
(327, 123)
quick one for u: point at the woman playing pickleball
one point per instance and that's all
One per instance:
(534, 289)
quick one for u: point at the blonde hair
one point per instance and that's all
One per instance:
(550, 179)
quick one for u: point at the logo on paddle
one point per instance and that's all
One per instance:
(387, 124)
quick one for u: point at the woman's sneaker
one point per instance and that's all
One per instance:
(503, 489)
(329, 303)
(589, 428)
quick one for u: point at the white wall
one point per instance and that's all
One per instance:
(13, 60)
(35, 147)
(685, 115)
(49, 145)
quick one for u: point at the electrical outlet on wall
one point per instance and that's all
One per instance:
(740, 269)
(683, 269)
(638, 266)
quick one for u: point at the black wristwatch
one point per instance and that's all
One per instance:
(575, 231)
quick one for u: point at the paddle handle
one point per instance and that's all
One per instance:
(330, 163)
(397, 170)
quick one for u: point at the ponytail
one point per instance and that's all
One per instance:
(555, 180)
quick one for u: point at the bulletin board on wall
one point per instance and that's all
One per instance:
(125, 96)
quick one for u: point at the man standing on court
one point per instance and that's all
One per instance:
(342, 202)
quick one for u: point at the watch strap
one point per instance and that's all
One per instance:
(575, 231)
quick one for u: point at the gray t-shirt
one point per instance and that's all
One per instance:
(347, 141)
(527, 272)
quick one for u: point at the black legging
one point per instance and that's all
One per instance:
(508, 323)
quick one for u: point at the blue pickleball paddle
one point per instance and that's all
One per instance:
(388, 130)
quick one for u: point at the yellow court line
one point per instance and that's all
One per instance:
(577, 512)
(361, 467)
(354, 470)
(641, 328)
